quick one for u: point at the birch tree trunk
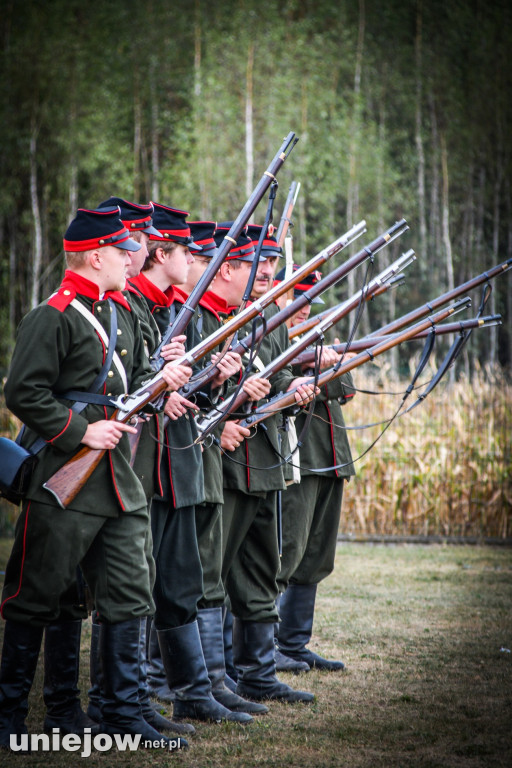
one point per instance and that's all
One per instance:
(249, 138)
(137, 138)
(353, 191)
(419, 136)
(155, 158)
(36, 215)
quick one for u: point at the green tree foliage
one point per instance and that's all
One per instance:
(150, 100)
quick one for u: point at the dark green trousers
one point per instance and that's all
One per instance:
(311, 516)
(209, 539)
(251, 554)
(51, 542)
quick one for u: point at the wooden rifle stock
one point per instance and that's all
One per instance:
(186, 312)
(287, 399)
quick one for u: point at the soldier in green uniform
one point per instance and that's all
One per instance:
(311, 510)
(61, 356)
(252, 477)
(138, 220)
(174, 637)
(208, 514)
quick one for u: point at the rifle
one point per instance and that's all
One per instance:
(375, 288)
(306, 325)
(286, 218)
(430, 306)
(186, 312)
(70, 478)
(258, 306)
(335, 276)
(287, 399)
(308, 356)
(234, 403)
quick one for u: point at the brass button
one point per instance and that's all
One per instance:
(110, 374)
(67, 293)
(124, 352)
(99, 309)
(119, 331)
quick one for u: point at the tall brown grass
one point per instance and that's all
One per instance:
(444, 469)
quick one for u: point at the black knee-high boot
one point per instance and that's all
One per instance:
(120, 706)
(297, 610)
(19, 661)
(183, 658)
(254, 656)
(210, 629)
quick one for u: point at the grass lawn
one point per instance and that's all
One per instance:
(426, 633)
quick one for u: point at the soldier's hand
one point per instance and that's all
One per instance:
(233, 435)
(105, 434)
(175, 349)
(256, 388)
(346, 355)
(305, 390)
(175, 376)
(228, 366)
(176, 406)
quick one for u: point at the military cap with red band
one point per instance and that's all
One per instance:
(172, 226)
(243, 249)
(202, 233)
(269, 248)
(305, 285)
(135, 217)
(92, 229)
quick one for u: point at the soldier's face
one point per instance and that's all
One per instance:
(138, 257)
(301, 315)
(114, 267)
(264, 277)
(178, 264)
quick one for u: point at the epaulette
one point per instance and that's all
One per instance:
(62, 299)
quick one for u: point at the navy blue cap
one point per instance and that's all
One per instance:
(202, 233)
(269, 248)
(92, 229)
(243, 249)
(172, 226)
(134, 216)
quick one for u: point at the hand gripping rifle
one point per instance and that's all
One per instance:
(287, 399)
(186, 312)
(236, 401)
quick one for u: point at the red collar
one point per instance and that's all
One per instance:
(216, 303)
(177, 294)
(78, 284)
(150, 290)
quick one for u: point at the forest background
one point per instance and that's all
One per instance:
(402, 109)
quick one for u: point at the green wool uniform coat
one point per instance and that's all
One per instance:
(311, 509)
(104, 527)
(251, 551)
(179, 487)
